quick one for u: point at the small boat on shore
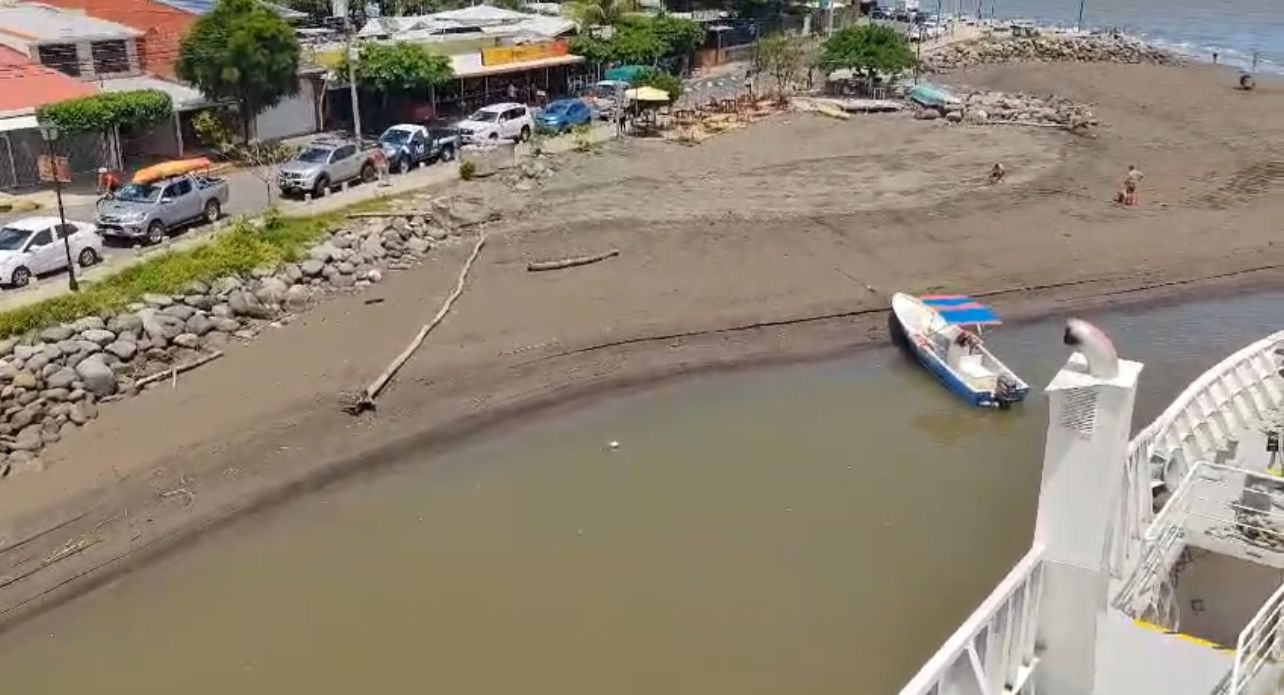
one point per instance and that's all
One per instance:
(942, 332)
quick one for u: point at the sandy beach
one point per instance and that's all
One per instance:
(776, 242)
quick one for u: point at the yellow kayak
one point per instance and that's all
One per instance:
(165, 170)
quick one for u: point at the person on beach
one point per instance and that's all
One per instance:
(1128, 196)
(997, 173)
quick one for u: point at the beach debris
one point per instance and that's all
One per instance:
(374, 300)
(367, 399)
(613, 444)
(173, 372)
(537, 266)
(1095, 48)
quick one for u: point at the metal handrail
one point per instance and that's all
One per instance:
(1260, 642)
(997, 643)
(1135, 509)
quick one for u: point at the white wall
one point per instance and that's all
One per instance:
(296, 115)
(1217, 595)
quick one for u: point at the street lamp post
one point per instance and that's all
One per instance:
(49, 133)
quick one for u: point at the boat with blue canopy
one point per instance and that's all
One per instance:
(943, 333)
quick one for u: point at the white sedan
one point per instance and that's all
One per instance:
(35, 246)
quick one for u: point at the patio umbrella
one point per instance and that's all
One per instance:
(648, 94)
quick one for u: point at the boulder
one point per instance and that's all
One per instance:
(23, 462)
(7, 345)
(196, 287)
(81, 413)
(322, 252)
(126, 324)
(343, 280)
(55, 333)
(61, 379)
(7, 372)
(154, 299)
(225, 285)
(227, 325)
(182, 312)
(204, 302)
(55, 395)
(418, 245)
(188, 340)
(24, 417)
(374, 275)
(291, 274)
(246, 304)
(28, 439)
(311, 268)
(88, 323)
(24, 380)
(98, 336)
(221, 310)
(298, 297)
(271, 291)
(24, 352)
(98, 378)
(372, 247)
(198, 324)
(160, 328)
(123, 349)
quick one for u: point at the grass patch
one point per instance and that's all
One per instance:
(234, 252)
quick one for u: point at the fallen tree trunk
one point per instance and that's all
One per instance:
(493, 217)
(367, 400)
(175, 371)
(537, 266)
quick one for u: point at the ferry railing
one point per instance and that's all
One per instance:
(1260, 643)
(1244, 389)
(1215, 500)
(993, 651)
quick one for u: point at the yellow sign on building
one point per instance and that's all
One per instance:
(504, 55)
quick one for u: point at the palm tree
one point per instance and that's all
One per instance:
(588, 13)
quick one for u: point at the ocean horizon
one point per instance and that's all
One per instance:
(1196, 29)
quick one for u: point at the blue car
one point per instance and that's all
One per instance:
(564, 114)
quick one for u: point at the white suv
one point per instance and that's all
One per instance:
(498, 121)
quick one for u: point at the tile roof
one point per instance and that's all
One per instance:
(25, 86)
(42, 23)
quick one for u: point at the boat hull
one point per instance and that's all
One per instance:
(906, 334)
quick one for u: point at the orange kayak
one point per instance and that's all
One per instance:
(164, 170)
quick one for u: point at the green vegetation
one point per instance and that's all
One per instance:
(588, 13)
(105, 111)
(400, 69)
(783, 57)
(867, 50)
(241, 52)
(235, 252)
(660, 80)
(467, 170)
(641, 40)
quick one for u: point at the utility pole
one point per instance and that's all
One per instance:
(339, 9)
(1079, 25)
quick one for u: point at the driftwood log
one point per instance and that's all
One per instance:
(537, 266)
(173, 372)
(415, 213)
(371, 392)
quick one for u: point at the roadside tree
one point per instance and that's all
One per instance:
(243, 52)
(397, 70)
(867, 50)
(660, 80)
(590, 13)
(782, 56)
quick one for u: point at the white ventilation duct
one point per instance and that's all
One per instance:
(1097, 348)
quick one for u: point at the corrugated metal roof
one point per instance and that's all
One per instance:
(37, 23)
(184, 97)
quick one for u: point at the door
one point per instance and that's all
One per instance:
(509, 125)
(419, 146)
(187, 203)
(344, 163)
(44, 255)
(69, 232)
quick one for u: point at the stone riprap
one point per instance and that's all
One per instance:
(53, 380)
(1093, 48)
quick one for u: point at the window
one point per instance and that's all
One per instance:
(512, 114)
(110, 57)
(66, 230)
(61, 57)
(42, 238)
(344, 152)
(181, 188)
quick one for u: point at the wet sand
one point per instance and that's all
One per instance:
(756, 246)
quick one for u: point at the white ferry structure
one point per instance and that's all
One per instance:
(1157, 566)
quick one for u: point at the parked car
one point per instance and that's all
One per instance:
(34, 246)
(564, 114)
(408, 144)
(507, 121)
(325, 164)
(149, 211)
(608, 95)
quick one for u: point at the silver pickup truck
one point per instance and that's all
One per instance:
(150, 211)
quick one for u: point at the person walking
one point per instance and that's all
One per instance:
(381, 166)
(1131, 180)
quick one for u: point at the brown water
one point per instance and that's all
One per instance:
(813, 529)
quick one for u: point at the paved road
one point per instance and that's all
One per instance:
(723, 85)
(249, 196)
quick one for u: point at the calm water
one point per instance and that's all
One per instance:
(812, 529)
(1233, 28)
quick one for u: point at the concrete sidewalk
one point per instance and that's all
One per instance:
(254, 200)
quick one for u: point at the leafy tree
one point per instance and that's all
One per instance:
(783, 57)
(867, 50)
(588, 13)
(244, 52)
(660, 80)
(108, 110)
(400, 68)
(680, 36)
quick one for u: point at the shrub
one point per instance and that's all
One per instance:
(467, 170)
(105, 111)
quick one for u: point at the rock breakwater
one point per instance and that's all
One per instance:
(1094, 48)
(54, 380)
